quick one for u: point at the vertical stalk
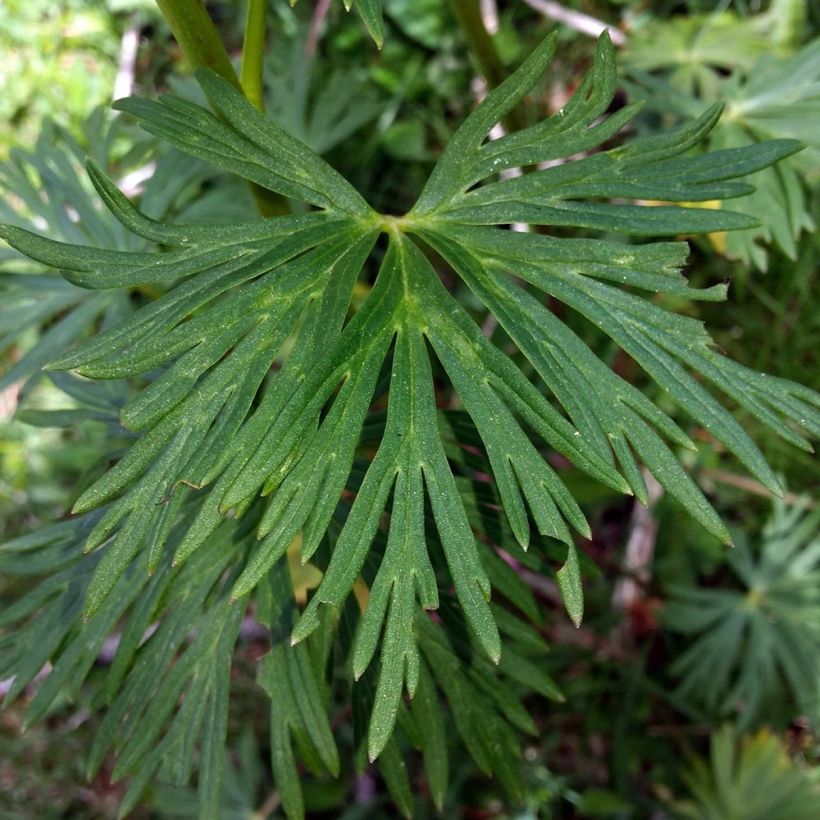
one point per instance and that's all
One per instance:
(253, 52)
(197, 36)
(482, 47)
(468, 16)
(202, 46)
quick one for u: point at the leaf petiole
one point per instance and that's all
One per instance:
(253, 52)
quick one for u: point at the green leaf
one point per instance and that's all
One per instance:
(768, 96)
(258, 429)
(446, 178)
(750, 775)
(429, 719)
(371, 13)
(569, 582)
(748, 639)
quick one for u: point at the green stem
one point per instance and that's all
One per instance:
(202, 46)
(468, 16)
(253, 52)
(197, 36)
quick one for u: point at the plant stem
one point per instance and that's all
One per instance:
(468, 15)
(253, 52)
(197, 36)
(202, 46)
(576, 20)
(319, 15)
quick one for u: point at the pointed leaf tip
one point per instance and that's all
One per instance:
(306, 624)
(569, 583)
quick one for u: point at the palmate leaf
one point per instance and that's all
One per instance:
(749, 776)
(321, 109)
(167, 687)
(761, 643)
(692, 46)
(258, 386)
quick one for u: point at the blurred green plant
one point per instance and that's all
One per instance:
(771, 89)
(57, 59)
(691, 47)
(747, 778)
(756, 646)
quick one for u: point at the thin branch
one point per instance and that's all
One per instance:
(271, 804)
(126, 69)
(576, 20)
(640, 548)
(749, 485)
(489, 14)
(469, 17)
(319, 15)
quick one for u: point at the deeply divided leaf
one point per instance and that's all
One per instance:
(277, 415)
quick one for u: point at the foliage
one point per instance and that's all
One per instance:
(692, 47)
(752, 778)
(747, 639)
(341, 107)
(58, 59)
(769, 92)
(45, 187)
(317, 388)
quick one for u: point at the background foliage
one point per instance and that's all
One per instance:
(632, 697)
